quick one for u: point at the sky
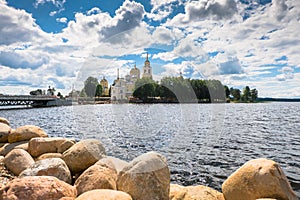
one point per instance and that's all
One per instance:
(59, 43)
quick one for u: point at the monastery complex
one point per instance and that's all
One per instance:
(123, 88)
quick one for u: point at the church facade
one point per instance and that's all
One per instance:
(104, 85)
(123, 88)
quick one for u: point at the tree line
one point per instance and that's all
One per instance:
(178, 89)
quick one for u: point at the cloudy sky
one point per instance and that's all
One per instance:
(59, 43)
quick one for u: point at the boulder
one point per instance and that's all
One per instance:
(98, 176)
(37, 188)
(115, 163)
(199, 192)
(6, 148)
(177, 192)
(67, 198)
(104, 194)
(4, 121)
(265, 199)
(25, 133)
(49, 167)
(18, 160)
(65, 145)
(258, 178)
(39, 146)
(83, 155)
(49, 155)
(4, 132)
(146, 177)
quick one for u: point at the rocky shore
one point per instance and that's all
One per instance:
(34, 166)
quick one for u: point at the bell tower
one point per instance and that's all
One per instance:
(147, 69)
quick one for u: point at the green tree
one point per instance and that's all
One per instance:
(109, 91)
(60, 95)
(36, 92)
(201, 90)
(145, 88)
(227, 91)
(177, 89)
(166, 88)
(98, 91)
(246, 94)
(82, 93)
(90, 86)
(236, 93)
(216, 91)
(254, 94)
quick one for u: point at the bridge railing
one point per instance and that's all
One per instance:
(27, 97)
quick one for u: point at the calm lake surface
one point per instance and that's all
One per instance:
(204, 143)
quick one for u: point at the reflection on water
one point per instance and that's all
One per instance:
(204, 143)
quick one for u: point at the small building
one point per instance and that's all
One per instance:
(104, 85)
(74, 95)
(118, 90)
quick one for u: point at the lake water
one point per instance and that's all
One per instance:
(204, 143)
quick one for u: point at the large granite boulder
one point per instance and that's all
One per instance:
(104, 194)
(39, 146)
(49, 167)
(113, 162)
(4, 132)
(7, 147)
(199, 192)
(65, 145)
(4, 121)
(258, 178)
(49, 155)
(37, 188)
(25, 133)
(83, 155)
(18, 160)
(146, 177)
(98, 176)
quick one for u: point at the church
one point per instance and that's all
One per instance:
(123, 88)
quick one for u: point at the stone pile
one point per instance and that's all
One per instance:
(59, 168)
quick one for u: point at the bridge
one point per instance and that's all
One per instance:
(26, 100)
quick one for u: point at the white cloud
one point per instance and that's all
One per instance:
(287, 73)
(160, 14)
(52, 13)
(279, 9)
(186, 48)
(93, 11)
(57, 3)
(162, 9)
(62, 20)
(163, 35)
(84, 29)
(128, 17)
(215, 9)
(156, 4)
(17, 26)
